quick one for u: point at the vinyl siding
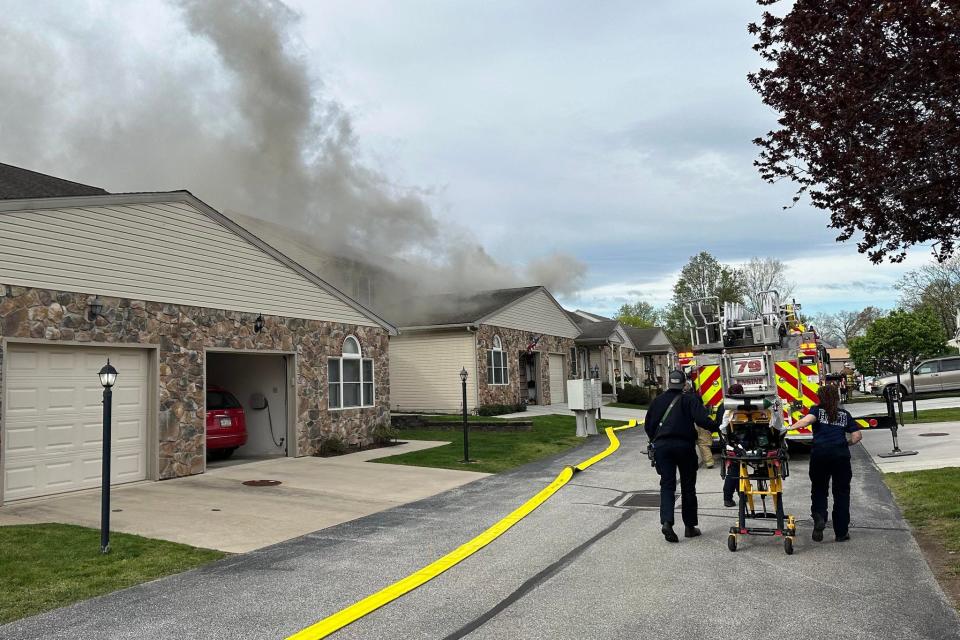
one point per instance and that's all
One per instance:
(162, 252)
(537, 313)
(425, 371)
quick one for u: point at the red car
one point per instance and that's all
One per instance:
(226, 424)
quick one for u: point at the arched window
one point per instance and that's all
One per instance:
(497, 370)
(350, 377)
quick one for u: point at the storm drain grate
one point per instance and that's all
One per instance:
(643, 499)
(931, 435)
(262, 483)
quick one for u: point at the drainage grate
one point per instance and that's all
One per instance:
(643, 499)
(262, 483)
(933, 434)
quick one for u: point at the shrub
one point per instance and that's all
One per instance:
(383, 434)
(499, 409)
(332, 446)
(606, 387)
(632, 394)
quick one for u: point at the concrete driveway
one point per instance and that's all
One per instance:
(937, 445)
(216, 510)
(583, 565)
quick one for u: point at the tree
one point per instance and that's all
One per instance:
(764, 274)
(841, 327)
(702, 277)
(897, 342)
(868, 99)
(937, 287)
(639, 314)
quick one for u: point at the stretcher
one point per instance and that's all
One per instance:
(754, 451)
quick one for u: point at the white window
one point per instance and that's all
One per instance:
(350, 378)
(497, 372)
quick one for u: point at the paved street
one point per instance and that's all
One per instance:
(581, 566)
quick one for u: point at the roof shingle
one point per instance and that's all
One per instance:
(17, 183)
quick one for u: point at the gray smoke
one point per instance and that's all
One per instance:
(229, 109)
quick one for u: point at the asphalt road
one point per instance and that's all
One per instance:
(580, 566)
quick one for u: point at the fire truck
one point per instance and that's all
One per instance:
(772, 354)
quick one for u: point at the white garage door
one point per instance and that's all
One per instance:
(558, 379)
(54, 418)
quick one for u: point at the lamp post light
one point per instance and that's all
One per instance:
(108, 377)
(466, 430)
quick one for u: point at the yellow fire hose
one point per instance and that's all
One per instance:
(354, 612)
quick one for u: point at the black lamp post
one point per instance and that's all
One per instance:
(108, 377)
(466, 430)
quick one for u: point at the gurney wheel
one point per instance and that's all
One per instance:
(788, 545)
(732, 542)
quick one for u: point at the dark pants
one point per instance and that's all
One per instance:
(672, 456)
(731, 483)
(826, 467)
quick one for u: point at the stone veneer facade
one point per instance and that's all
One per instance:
(182, 335)
(514, 341)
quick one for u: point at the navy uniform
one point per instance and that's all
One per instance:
(674, 447)
(830, 463)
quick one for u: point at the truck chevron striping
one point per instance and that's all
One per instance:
(709, 386)
(371, 603)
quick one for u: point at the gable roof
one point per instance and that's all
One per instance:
(649, 340)
(19, 183)
(456, 309)
(32, 204)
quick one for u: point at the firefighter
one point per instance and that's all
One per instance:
(671, 425)
(834, 430)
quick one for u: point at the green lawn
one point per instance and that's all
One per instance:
(929, 501)
(626, 405)
(494, 451)
(930, 415)
(45, 566)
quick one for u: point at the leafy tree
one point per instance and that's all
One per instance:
(937, 287)
(702, 277)
(639, 314)
(897, 342)
(868, 99)
(764, 274)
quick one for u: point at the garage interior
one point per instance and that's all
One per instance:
(259, 383)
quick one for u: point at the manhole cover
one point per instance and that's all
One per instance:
(262, 483)
(931, 435)
(643, 499)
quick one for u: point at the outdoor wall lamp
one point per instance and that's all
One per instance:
(108, 377)
(94, 308)
(258, 324)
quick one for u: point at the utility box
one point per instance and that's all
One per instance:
(583, 394)
(583, 397)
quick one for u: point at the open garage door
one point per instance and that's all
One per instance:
(558, 379)
(53, 418)
(254, 385)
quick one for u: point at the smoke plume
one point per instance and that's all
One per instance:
(228, 108)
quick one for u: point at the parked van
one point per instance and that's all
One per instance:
(930, 376)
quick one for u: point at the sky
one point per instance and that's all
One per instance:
(613, 134)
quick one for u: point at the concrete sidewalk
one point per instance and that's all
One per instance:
(216, 510)
(583, 565)
(563, 409)
(933, 451)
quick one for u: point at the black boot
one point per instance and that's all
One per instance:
(728, 502)
(690, 532)
(819, 524)
(668, 533)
